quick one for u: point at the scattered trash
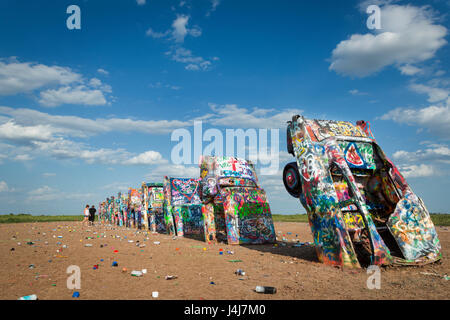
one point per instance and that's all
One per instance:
(76, 294)
(124, 269)
(30, 297)
(31, 266)
(155, 294)
(170, 277)
(144, 271)
(240, 272)
(88, 245)
(115, 264)
(95, 266)
(136, 273)
(12, 249)
(230, 252)
(235, 260)
(266, 290)
(445, 277)
(212, 282)
(156, 242)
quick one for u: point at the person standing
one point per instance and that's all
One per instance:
(86, 215)
(92, 211)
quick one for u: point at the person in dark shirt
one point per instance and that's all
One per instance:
(92, 211)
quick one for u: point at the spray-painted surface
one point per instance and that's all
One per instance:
(358, 204)
(182, 206)
(234, 203)
(154, 205)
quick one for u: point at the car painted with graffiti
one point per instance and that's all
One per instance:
(153, 204)
(360, 209)
(235, 208)
(182, 206)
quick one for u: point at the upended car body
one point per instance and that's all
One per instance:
(360, 209)
(153, 203)
(182, 206)
(235, 206)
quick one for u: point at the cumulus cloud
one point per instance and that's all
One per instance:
(46, 124)
(140, 2)
(409, 35)
(417, 171)
(72, 95)
(177, 34)
(436, 119)
(173, 170)
(10, 131)
(103, 71)
(434, 94)
(214, 5)
(409, 70)
(230, 115)
(437, 153)
(17, 77)
(146, 158)
(193, 63)
(71, 88)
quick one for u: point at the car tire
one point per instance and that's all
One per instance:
(291, 179)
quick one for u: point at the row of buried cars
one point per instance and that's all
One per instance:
(225, 204)
(360, 209)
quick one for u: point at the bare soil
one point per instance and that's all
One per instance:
(202, 271)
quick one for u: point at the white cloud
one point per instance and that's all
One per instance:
(72, 95)
(230, 115)
(72, 88)
(103, 71)
(173, 170)
(436, 153)
(23, 157)
(16, 77)
(146, 158)
(408, 36)
(179, 28)
(409, 70)
(192, 62)
(436, 119)
(434, 94)
(82, 127)
(46, 193)
(10, 131)
(177, 34)
(214, 5)
(417, 171)
(156, 35)
(4, 186)
(356, 92)
(140, 2)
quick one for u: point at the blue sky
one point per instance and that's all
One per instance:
(87, 113)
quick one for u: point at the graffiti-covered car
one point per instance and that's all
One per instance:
(153, 204)
(182, 207)
(360, 209)
(235, 206)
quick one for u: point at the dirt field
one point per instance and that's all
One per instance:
(201, 273)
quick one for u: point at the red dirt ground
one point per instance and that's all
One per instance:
(294, 271)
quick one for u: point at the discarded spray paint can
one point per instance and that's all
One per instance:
(240, 272)
(266, 290)
(30, 297)
(135, 273)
